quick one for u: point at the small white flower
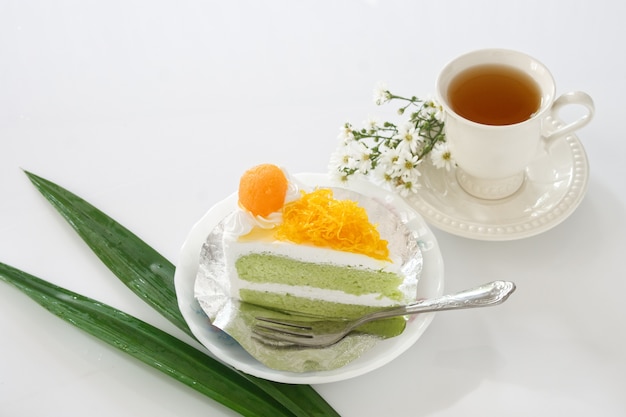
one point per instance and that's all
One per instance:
(343, 159)
(371, 124)
(338, 159)
(362, 157)
(381, 94)
(408, 166)
(339, 165)
(434, 108)
(385, 174)
(441, 157)
(389, 156)
(345, 133)
(407, 187)
(340, 176)
(408, 138)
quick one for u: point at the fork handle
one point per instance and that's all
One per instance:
(485, 295)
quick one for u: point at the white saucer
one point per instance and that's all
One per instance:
(226, 349)
(555, 185)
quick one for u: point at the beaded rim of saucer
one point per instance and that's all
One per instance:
(555, 185)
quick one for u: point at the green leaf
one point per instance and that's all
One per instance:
(150, 345)
(151, 277)
(136, 264)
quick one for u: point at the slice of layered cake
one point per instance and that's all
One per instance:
(306, 251)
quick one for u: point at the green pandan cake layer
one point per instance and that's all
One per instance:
(266, 268)
(385, 328)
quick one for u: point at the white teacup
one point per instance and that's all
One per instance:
(491, 147)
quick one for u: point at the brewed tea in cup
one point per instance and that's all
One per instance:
(497, 103)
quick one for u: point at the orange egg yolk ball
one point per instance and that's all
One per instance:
(262, 189)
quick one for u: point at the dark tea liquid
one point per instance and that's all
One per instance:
(494, 95)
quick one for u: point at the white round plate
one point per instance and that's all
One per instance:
(229, 351)
(555, 185)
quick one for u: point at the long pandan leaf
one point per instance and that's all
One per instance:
(151, 276)
(150, 345)
(136, 264)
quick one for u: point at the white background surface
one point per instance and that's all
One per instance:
(151, 110)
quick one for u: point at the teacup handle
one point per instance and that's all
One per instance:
(574, 97)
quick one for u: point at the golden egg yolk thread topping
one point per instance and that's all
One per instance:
(320, 220)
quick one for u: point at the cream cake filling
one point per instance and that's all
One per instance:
(370, 300)
(236, 248)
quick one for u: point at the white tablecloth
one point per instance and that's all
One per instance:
(151, 110)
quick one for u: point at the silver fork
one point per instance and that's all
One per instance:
(322, 333)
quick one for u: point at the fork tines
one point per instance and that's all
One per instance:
(286, 323)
